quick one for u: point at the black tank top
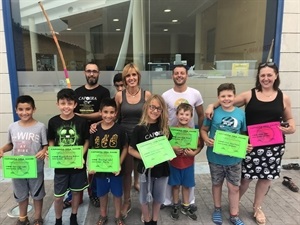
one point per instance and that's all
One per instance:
(263, 112)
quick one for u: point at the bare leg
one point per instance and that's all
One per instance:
(23, 209)
(103, 205)
(38, 207)
(118, 205)
(261, 189)
(126, 193)
(145, 212)
(233, 196)
(217, 194)
(136, 184)
(76, 195)
(175, 192)
(244, 186)
(58, 206)
(185, 195)
(155, 210)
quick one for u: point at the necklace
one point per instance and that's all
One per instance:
(133, 95)
(268, 96)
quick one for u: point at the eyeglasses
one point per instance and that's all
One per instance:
(266, 64)
(153, 108)
(92, 71)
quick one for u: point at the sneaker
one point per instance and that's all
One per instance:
(175, 212)
(25, 222)
(119, 221)
(95, 201)
(186, 210)
(162, 206)
(217, 217)
(194, 208)
(235, 220)
(102, 220)
(73, 220)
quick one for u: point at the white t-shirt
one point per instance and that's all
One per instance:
(173, 99)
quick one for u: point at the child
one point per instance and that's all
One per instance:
(109, 135)
(153, 123)
(28, 137)
(182, 168)
(68, 129)
(232, 119)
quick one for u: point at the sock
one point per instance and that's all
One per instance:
(73, 216)
(153, 222)
(58, 221)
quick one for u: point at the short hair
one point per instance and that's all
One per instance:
(276, 70)
(179, 66)
(118, 78)
(185, 107)
(226, 86)
(25, 99)
(93, 63)
(66, 93)
(127, 68)
(107, 102)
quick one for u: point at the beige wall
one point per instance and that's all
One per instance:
(289, 73)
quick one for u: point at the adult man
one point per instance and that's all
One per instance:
(181, 93)
(89, 97)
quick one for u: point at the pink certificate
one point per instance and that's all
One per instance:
(265, 134)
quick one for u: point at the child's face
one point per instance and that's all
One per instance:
(226, 99)
(66, 106)
(108, 114)
(154, 111)
(25, 111)
(184, 117)
(119, 86)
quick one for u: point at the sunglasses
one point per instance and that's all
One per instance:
(266, 64)
(92, 71)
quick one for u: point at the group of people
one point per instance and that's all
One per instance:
(90, 118)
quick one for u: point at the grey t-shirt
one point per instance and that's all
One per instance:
(28, 140)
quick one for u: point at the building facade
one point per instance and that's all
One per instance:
(216, 39)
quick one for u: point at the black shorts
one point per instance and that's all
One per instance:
(65, 182)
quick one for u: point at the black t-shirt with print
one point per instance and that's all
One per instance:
(144, 133)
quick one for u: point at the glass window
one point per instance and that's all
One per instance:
(214, 38)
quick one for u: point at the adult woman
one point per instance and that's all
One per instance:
(264, 103)
(130, 104)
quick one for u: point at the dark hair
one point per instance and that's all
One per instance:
(66, 93)
(25, 99)
(118, 78)
(185, 107)
(275, 68)
(106, 102)
(179, 66)
(226, 86)
(93, 63)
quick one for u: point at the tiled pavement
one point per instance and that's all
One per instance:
(282, 206)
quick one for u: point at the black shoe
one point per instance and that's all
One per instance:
(73, 219)
(175, 212)
(194, 208)
(186, 210)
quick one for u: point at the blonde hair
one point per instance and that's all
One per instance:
(162, 119)
(126, 70)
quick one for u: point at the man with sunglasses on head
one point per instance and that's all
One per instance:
(89, 97)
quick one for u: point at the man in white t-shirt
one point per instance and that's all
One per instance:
(173, 97)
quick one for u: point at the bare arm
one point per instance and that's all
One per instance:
(204, 134)
(200, 114)
(147, 95)
(287, 116)
(6, 148)
(134, 152)
(124, 153)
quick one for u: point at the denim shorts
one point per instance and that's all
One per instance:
(232, 173)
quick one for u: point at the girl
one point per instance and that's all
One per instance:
(153, 123)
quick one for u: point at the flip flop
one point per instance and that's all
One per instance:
(287, 181)
(291, 166)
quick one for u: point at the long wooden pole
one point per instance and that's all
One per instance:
(57, 45)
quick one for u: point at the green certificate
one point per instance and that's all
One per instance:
(65, 156)
(104, 160)
(156, 151)
(231, 144)
(19, 167)
(184, 137)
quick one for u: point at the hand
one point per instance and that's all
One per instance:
(249, 148)
(209, 112)
(209, 142)
(83, 162)
(41, 154)
(117, 173)
(91, 172)
(188, 152)
(178, 151)
(93, 128)
(1, 153)
(286, 130)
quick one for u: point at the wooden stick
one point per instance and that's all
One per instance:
(57, 45)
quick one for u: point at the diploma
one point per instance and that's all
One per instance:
(19, 167)
(65, 156)
(184, 137)
(104, 160)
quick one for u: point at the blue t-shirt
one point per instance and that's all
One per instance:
(233, 122)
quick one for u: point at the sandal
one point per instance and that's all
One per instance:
(125, 212)
(38, 222)
(95, 201)
(119, 221)
(67, 204)
(259, 216)
(102, 220)
(287, 181)
(291, 166)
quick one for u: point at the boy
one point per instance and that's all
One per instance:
(68, 129)
(232, 119)
(109, 135)
(182, 168)
(28, 137)
(118, 82)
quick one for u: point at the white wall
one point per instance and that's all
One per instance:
(289, 73)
